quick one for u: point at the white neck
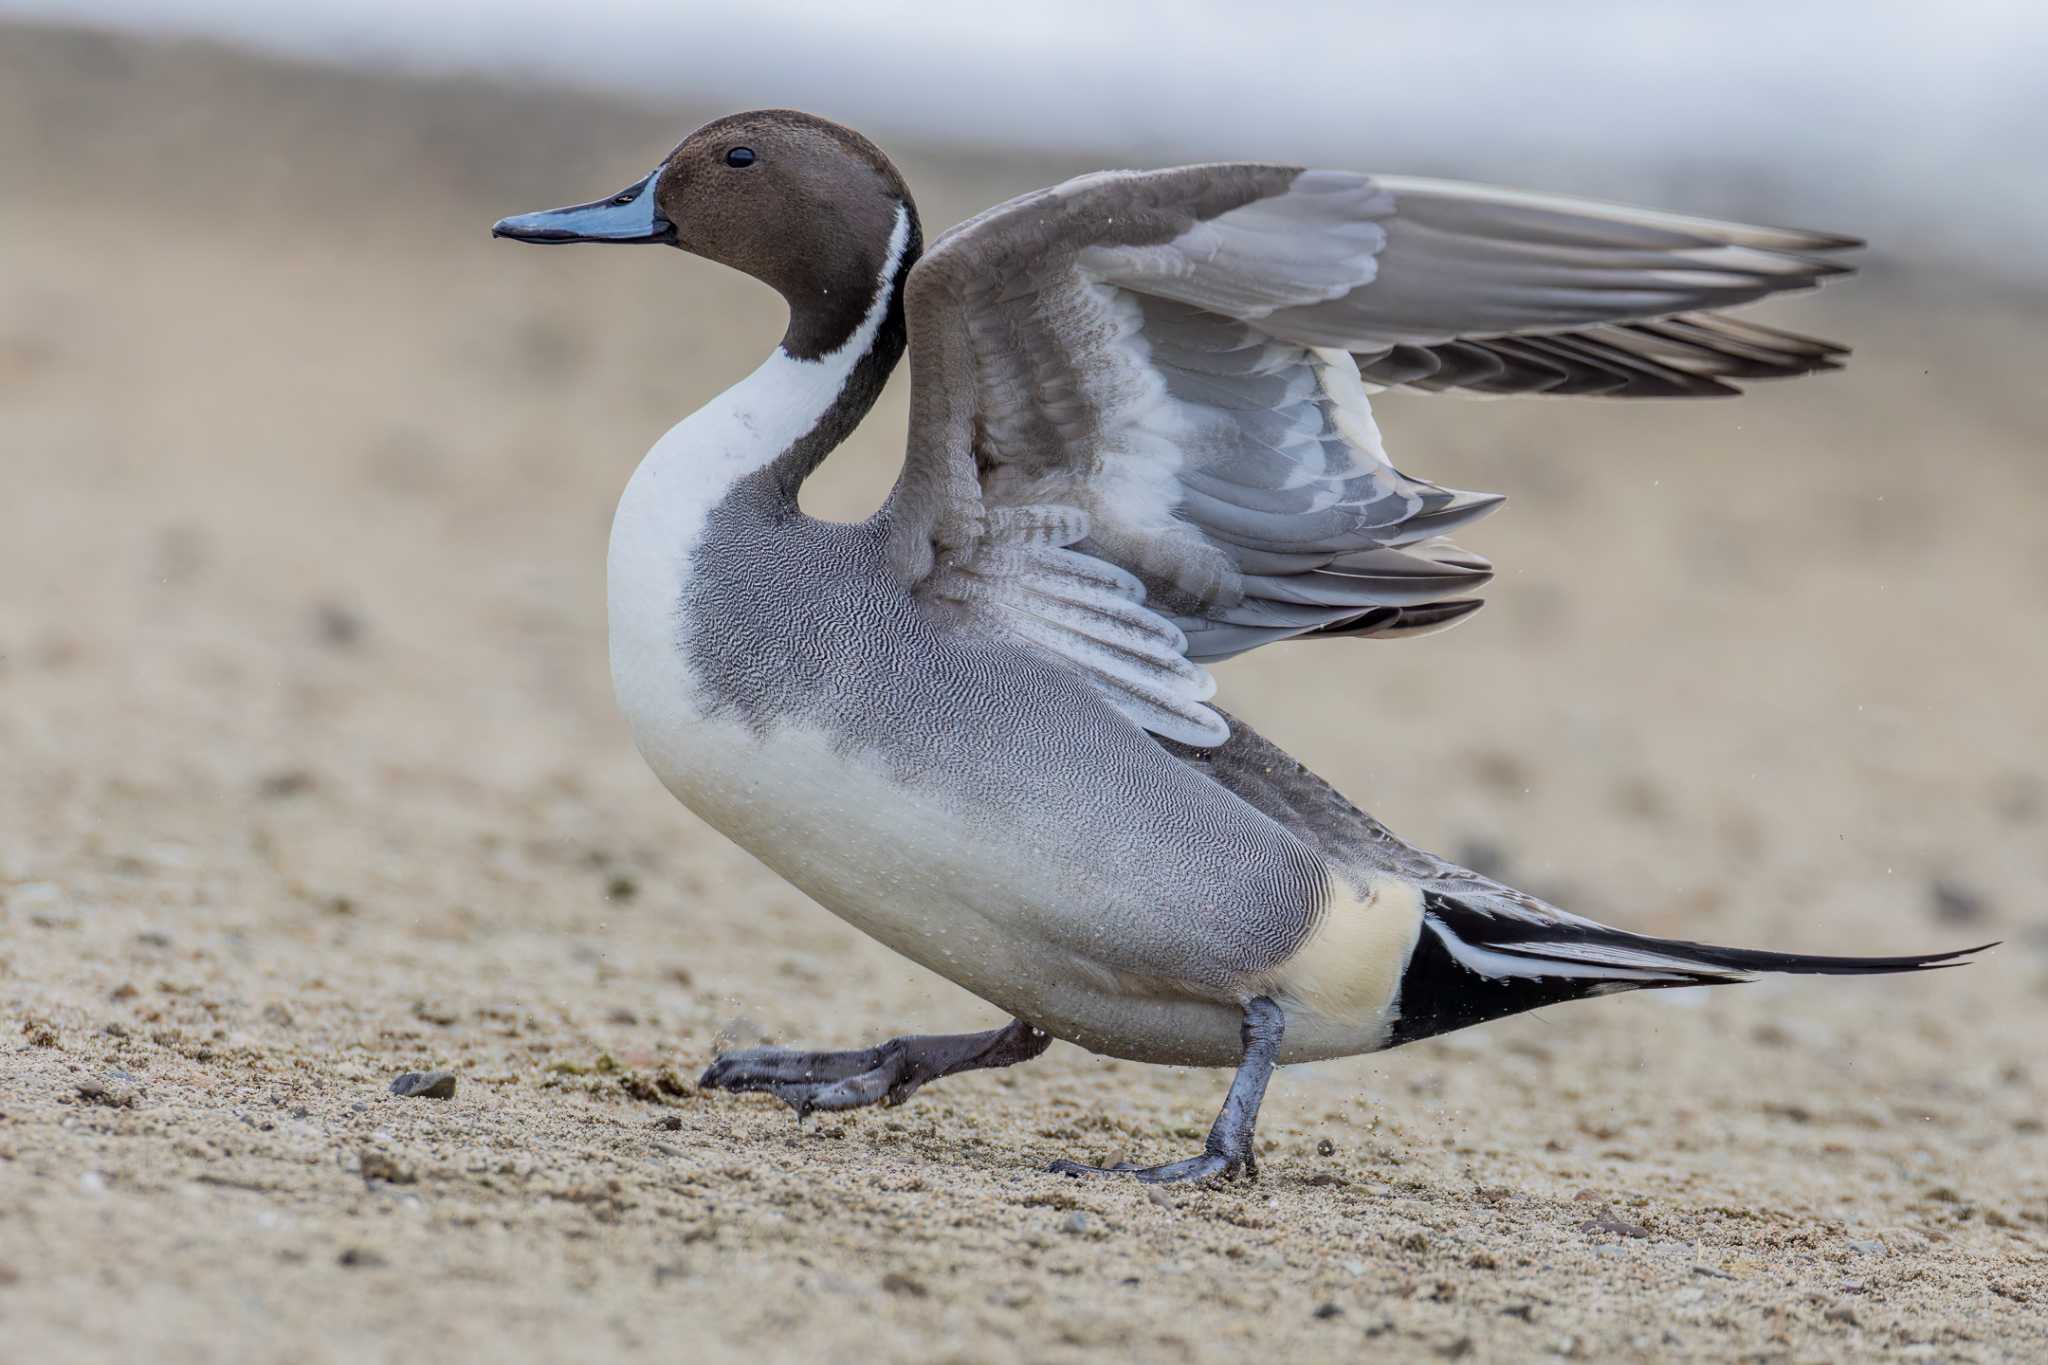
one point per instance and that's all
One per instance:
(695, 466)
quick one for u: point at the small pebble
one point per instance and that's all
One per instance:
(1326, 1148)
(361, 1258)
(376, 1165)
(1325, 1311)
(425, 1085)
(897, 1283)
(117, 1095)
(1075, 1223)
(1868, 1247)
(1608, 1224)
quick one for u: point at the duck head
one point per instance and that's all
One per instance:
(804, 205)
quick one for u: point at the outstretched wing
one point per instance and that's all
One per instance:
(1141, 437)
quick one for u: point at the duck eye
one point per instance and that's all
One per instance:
(740, 156)
(625, 198)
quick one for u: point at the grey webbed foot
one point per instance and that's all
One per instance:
(1229, 1148)
(888, 1073)
(1207, 1166)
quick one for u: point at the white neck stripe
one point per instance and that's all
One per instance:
(692, 469)
(856, 346)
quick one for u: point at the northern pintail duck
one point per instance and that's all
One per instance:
(977, 725)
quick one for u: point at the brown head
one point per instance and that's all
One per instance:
(800, 203)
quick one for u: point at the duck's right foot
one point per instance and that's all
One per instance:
(1207, 1166)
(888, 1073)
(1229, 1149)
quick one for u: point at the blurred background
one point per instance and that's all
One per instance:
(305, 719)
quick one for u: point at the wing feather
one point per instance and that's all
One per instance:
(1142, 435)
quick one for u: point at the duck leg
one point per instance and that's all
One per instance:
(1229, 1148)
(888, 1073)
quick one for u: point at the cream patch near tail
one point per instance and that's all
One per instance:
(1340, 985)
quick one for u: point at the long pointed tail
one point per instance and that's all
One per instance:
(1482, 957)
(1559, 945)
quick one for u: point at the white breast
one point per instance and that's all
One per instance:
(691, 470)
(829, 821)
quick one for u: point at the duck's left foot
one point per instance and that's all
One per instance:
(1229, 1148)
(888, 1073)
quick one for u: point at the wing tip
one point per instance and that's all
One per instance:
(1815, 240)
(1400, 623)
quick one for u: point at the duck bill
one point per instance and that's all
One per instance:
(628, 216)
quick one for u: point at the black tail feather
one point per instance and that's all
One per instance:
(1809, 964)
(1533, 937)
(1473, 963)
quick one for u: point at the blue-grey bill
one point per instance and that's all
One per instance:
(628, 216)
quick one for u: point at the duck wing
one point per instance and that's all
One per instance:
(1141, 430)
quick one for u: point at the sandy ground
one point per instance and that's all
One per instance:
(311, 776)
